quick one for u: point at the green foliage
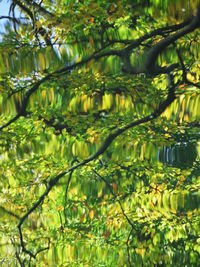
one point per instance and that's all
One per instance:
(64, 89)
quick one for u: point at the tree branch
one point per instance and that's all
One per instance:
(184, 74)
(150, 64)
(100, 151)
(125, 55)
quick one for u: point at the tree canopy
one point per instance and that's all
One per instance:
(99, 127)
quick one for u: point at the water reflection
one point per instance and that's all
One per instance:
(181, 155)
(147, 167)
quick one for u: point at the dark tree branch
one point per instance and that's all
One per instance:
(23, 8)
(66, 190)
(128, 247)
(9, 212)
(149, 67)
(62, 71)
(160, 31)
(184, 74)
(43, 249)
(131, 44)
(115, 196)
(21, 263)
(10, 122)
(184, 70)
(150, 64)
(100, 151)
(39, 8)
(193, 84)
(122, 210)
(26, 8)
(10, 18)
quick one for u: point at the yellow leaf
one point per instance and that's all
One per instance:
(60, 208)
(91, 214)
(140, 251)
